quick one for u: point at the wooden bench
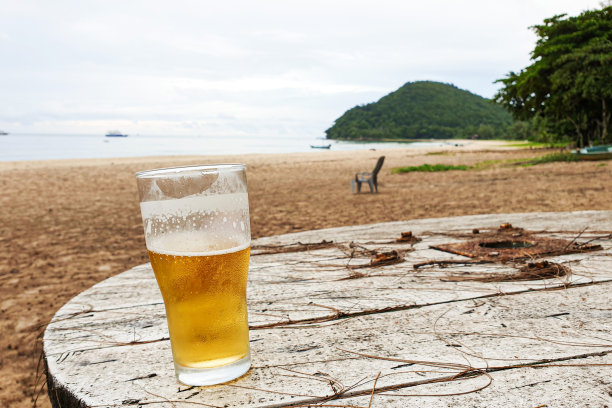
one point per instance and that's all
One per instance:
(353, 317)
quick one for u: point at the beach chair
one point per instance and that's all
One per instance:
(368, 177)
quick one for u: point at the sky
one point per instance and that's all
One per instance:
(246, 67)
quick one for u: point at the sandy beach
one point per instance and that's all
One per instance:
(68, 224)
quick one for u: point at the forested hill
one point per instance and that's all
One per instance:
(424, 109)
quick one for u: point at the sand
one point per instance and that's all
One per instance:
(66, 225)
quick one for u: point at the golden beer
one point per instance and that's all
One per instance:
(205, 298)
(197, 229)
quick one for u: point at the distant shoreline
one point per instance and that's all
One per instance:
(462, 145)
(45, 147)
(408, 140)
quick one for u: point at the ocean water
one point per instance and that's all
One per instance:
(15, 147)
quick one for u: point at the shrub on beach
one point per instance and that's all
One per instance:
(429, 168)
(549, 158)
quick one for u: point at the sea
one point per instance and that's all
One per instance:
(18, 147)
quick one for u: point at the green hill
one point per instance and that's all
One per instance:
(423, 110)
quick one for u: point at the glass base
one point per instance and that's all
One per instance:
(211, 376)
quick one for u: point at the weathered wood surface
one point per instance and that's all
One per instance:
(324, 333)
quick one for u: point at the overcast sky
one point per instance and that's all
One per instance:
(253, 67)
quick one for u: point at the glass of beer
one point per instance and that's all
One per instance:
(197, 231)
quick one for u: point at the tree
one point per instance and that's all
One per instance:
(569, 83)
(486, 131)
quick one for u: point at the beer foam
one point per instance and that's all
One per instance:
(194, 243)
(182, 207)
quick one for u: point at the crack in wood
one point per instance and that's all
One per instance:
(474, 372)
(300, 323)
(345, 315)
(64, 355)
(84, 313)
(532, 384)
(293, 247)
(558, 314)
(445, 263)
(143, 377)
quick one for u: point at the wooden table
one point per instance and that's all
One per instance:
(333, 326)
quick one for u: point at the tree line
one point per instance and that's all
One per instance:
(424, 110)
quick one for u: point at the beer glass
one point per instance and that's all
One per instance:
(197, 231)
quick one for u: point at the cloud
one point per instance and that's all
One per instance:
(246, 65)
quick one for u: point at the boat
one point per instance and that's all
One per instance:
(320, 147)
(3, 133)
(603, 152)
(115, 133)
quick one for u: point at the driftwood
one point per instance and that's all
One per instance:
(351, 317)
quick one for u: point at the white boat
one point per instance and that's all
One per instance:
(115, 133)
(603, 152)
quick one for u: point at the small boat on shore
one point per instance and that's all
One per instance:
(320, 147)
(115, 133)
(603, 152)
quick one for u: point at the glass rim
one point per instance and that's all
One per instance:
(183, 170)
